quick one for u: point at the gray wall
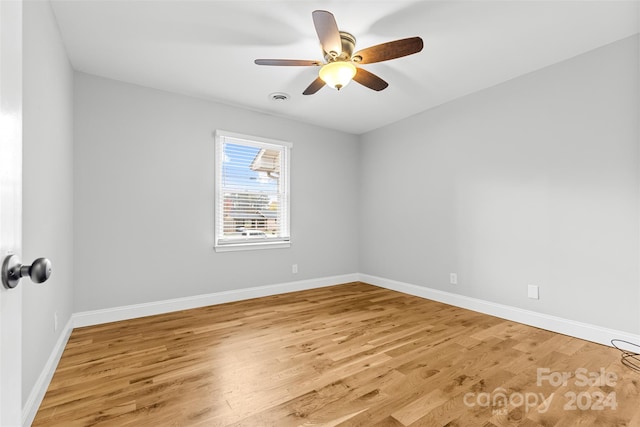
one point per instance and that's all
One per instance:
(534, 181)
(48, 185)
(144, 198)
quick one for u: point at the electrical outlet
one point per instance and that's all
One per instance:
(453, 278)
(533, 292)
(294, 268)
(55, 321)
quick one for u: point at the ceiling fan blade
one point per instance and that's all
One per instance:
(389, 50)
(315, 86)
(288, 62)
(328, 32)
(370, 80)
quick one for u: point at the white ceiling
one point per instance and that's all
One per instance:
(206, 48)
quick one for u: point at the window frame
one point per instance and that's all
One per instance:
(284, 240)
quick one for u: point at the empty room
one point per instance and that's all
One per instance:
(319, 213)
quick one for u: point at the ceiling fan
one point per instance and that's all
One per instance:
(340, 67)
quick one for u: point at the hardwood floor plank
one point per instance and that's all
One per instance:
(347, 355)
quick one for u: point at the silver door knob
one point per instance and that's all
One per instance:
(13, 271)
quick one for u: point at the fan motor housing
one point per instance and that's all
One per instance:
(348, 45)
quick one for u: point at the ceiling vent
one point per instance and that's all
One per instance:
(279, 96)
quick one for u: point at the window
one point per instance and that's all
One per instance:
(252, 192)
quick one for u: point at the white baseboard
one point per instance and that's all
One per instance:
(560, 325)
(96, 317)
(586, 331)
(30, 407)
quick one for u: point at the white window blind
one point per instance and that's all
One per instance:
(252, 192)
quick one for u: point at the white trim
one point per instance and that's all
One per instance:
(251, 139)
(30, 407)
(96, 317)
(230, 247)
(585, 331)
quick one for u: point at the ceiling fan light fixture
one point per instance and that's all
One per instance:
(337, 48)
(337, 74)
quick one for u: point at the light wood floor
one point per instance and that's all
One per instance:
(349, 355)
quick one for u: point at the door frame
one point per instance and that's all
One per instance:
(10, 208)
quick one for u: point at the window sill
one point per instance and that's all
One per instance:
(251, 246)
